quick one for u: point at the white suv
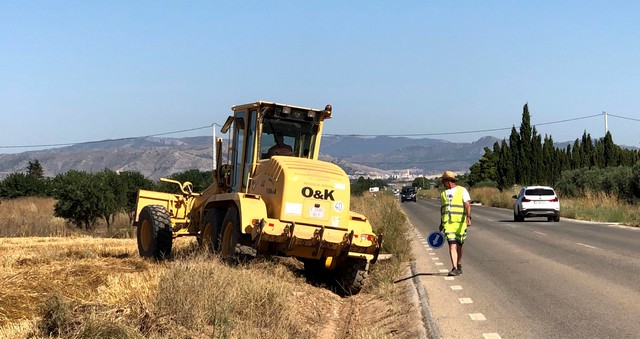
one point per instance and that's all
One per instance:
(536, 201)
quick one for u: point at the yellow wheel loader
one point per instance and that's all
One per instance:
(271, 196)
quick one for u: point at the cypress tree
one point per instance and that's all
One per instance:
(524, 148)
(550, 160)
(610, 151)
(598, 154)
(514, 149)
(537, 164)
(576, 155)
(566, 164)
(587, 151)
(506, 172)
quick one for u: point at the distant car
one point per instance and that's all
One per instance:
(408, 193)
(536, 201)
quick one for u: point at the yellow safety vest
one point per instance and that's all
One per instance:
(452, 207)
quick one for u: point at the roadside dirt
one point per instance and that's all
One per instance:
(396, 315)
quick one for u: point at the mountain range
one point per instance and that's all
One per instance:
(155, 157)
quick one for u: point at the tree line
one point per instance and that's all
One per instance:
(527, 158)
(83, 198)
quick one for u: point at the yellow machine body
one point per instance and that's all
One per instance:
(290, 205)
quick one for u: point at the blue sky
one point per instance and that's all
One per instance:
(75, 71)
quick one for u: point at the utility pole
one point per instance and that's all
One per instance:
(606, 122)
(214, 146)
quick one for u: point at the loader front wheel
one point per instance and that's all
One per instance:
(233, 244)
(351, 276)
(230, 235)
(154, 234)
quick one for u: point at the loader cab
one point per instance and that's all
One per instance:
(257, 129)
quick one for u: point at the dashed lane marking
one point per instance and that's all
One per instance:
(456, 287)
(449, 278)
(585, 245)
(539, 233)
(435, 258)
(477, 316)
(491, 336)
(440, 264)
(465, 300)
(444, 271)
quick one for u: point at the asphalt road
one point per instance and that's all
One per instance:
(532, 279)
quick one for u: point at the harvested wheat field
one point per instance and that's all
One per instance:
(85, 287)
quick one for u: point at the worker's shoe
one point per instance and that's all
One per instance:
(459, 268)
(454, 271)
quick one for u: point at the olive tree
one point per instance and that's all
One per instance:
(80, 198)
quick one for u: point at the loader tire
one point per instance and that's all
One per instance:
(210, 233)
(154, 234)
(352, 275)
(233, 244)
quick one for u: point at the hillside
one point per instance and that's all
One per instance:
(158, 157)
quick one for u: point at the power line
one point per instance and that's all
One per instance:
(109, 140)
(461, 132)
(328, 134)
(567, 120)
(617, 116)
(420, 134)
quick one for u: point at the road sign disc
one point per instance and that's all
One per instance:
(435, 239)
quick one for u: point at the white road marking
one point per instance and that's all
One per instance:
(539, 233)
(618, 225)
(440, 264)
(491, 336)
(432, 253)
(585, 245)
(477, 316)
(465, 300)
(444, 271)
(435, 258)
(449, 278)
(424, 241)
(456, 287)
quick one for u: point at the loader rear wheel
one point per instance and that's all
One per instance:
(210, 232)
(351, 276)
(154, 233)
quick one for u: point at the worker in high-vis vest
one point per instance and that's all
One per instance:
(455, 214)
